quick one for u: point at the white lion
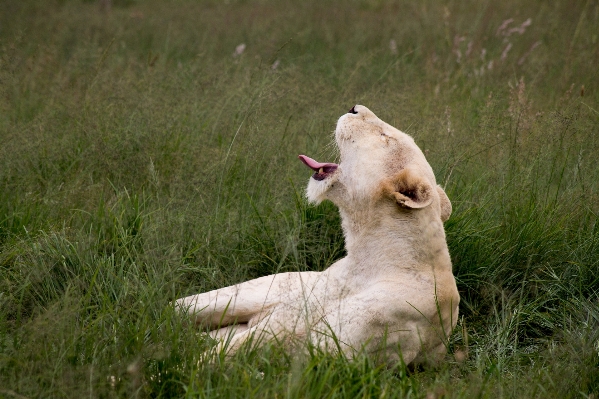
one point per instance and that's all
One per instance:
(394, 294)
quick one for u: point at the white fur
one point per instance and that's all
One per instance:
(394, 293)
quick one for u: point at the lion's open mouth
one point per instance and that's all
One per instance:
(322, 170)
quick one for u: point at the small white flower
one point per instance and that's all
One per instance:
(504, 25)
(393, 46)
(239, 50)
(505, 51)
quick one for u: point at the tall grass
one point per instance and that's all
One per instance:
(140, 161)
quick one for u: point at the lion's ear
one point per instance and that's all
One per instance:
(409, 190)
(445, 204)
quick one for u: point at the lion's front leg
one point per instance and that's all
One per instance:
(258, 335)
(278, 326)
(241, 302)
(224, 333)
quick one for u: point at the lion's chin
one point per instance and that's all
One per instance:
(317, 190)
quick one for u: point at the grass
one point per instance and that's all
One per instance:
(141, 161)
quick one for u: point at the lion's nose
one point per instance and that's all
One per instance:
(353, 110)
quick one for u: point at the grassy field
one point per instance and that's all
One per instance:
(141, 160)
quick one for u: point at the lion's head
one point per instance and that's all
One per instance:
(378, 162)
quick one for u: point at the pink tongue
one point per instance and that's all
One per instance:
(315, 165)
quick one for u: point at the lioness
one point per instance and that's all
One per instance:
(394, 293)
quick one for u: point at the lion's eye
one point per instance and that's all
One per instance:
(384, 137)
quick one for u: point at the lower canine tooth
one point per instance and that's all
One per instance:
(320, 170)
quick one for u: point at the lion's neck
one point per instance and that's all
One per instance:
(384, 244)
